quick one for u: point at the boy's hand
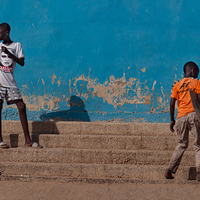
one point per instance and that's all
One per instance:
(172, 126)
(5, 50)
(20, 61)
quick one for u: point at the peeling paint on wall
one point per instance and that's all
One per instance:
(117, 91)
(53, 78)
(113, 91)
(43, 82)
(163, 101)
(58, 82)
(45, 102)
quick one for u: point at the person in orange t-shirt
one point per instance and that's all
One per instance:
(187, 119)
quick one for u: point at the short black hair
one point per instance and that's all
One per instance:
(5, 26)
(190, 65)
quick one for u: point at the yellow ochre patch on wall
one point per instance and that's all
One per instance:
(114, 91)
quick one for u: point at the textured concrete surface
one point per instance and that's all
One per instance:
(94, 128)
(117, 171)
(98, 141)
(17, 190)
(96, 158)
(100, 156)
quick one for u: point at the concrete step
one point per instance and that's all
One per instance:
(96, 150)
(98, 141)
(97, 156)
(94, 128)
(97, 171)
(62, 188)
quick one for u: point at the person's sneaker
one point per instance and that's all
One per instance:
(198, 176)
(168, 174)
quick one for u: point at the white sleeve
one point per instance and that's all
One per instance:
(19, 51)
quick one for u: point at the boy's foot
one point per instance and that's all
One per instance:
(3, 145)
(33, 145)
(168, 174)
(198, 176)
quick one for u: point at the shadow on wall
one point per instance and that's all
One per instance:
(76, 112)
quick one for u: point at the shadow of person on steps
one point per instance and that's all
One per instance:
(76, 112)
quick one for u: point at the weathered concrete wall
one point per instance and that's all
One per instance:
(117, 59)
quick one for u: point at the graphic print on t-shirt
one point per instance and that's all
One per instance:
(183, 88)
(6, 62)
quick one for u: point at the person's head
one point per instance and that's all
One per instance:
(191, 69)
(4, 31)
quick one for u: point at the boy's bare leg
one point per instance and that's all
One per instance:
(23, 118)
(3, 145)
(1, 139)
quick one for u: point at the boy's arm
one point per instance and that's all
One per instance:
(20, 61)
(172, 108)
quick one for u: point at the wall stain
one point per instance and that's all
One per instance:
(70, 89)
(116, 91)
(36, 103)
(162, 102)
(59, 82)
(53, 78)
(152, 98)
(46, 102)
(113, 91)
(138, 120)
(42, 82)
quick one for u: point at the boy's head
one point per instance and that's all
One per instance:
(4, 31)
(191, 69)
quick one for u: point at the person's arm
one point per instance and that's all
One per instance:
(20, 61)
(172, 109)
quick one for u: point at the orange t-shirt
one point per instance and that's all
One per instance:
(180, 91)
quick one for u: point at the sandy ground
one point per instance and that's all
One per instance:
(17, 190)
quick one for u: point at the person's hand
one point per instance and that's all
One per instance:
(4, 49)
(172, 126)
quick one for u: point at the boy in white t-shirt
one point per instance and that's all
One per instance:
(10, 54)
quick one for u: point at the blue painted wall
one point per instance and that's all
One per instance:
(116, 59)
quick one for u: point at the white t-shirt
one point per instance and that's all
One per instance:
(7, 64)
